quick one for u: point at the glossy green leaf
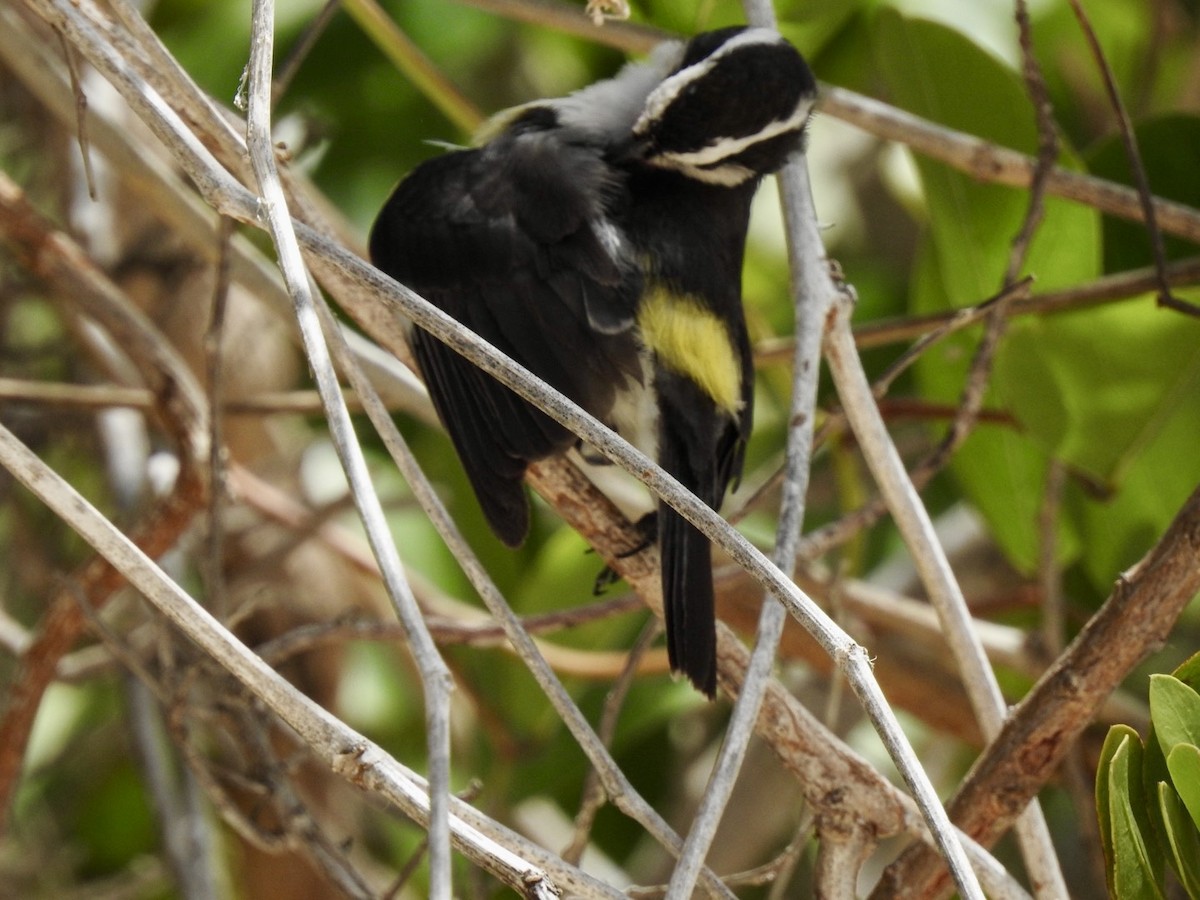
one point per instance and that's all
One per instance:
(1117, 736)
(1183, 762)
(1182, 838)
(1175, 710)
(1135, 870)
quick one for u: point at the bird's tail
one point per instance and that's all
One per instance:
(688, 599)
(689, 425)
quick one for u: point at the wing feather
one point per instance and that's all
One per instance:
(515, 241)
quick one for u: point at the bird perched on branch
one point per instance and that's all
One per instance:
(597, 239)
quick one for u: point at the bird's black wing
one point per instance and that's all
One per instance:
(514, 241)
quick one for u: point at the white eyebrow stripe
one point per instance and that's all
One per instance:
(663, 95)
(725, 147)
(727, 175)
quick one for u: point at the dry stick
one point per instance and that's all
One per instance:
(1048, 146)
(406, 56)
(913, 521)
(435, 676)
(1134, 153)
(593, 795)
(571, 19)
(81, 107)
(1032, 832)
(52, 257)
(1054, 613)
(340, 747)
(996, 307)
(1075, 774)
(988, 162)
(187, 839)
(1136, 619)
(812, 291)
(68, 396)
(1105, 289)
(212, 566)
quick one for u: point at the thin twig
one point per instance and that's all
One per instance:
(1032, 832)
(913, 521)
(593, 794)
(301, 48)
(571, 18)
(993, 164)
(1105, 289)
(187, 837)
(435, 677)
(81, 117)
(955, 320)
(1048, 146)
(409, 59)
(1134, 154)
(213, 564)
(1054, 614)
(813, 292)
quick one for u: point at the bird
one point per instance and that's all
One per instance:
(598, 240)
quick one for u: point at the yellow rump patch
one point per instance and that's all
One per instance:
(692, 341)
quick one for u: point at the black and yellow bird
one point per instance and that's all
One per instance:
(597, 239)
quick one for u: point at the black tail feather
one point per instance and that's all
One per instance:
(688, 600)
(698, 443)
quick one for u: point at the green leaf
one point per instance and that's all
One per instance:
(1183, 839)
(1115, 378)
(1183, 762)
(1135, 871)
(936, 72)
(1188, 671)
(1117, 736)
(939, 73)
(1175, 711)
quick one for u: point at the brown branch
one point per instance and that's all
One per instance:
(844, 789)
(993, 164)
(1106, 289)
(1135, 620)
(1048, 148)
